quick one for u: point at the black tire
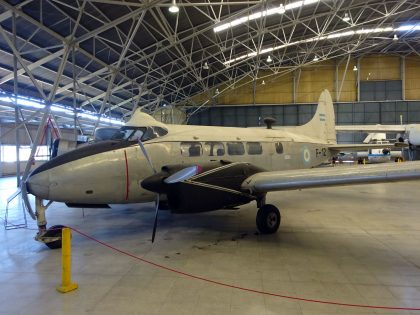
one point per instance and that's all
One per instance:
(54, 231)
(268, 219)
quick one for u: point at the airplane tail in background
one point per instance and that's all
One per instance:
(322, 125)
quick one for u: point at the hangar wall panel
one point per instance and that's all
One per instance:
(277, 90)
(412, 78)
(349, 86)
(381, 90)
(379, 67)
(313, 80)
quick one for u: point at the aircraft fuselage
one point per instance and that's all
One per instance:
(111, 172)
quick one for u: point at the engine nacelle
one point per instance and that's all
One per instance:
(413, 133)
(218, 186)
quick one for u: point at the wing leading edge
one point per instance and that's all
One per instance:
(331, 176)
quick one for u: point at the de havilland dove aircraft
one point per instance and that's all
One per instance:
(200, 168)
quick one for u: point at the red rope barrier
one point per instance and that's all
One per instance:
(296, 298)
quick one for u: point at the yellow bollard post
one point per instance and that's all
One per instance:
(66, 284)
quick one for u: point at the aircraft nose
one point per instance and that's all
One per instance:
(38, 185)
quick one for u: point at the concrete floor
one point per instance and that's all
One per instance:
(349, 244)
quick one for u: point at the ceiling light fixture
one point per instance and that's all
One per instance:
(260, 14)
(355, 68)
(316, 58)
(269, 59)
(281, 9)
(263, 82)
(206, 66)
(346, 17)
(362, 31)
(395, 38)
(216, 92)
(173, 8)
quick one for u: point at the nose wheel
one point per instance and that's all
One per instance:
(52, 236)
(268, 219)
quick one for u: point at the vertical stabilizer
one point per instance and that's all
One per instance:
(322, 125)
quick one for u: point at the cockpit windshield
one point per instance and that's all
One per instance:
(129, 133)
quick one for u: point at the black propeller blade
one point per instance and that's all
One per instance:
(149, 161)
(146, 155)
(25, 199)
(177, 177)
(156, 218)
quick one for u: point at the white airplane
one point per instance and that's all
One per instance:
(411, 131)
(381, 155)
(200, 168)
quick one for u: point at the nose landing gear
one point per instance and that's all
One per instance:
(51, 236)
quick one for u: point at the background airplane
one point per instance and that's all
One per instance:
(199, 168)
(382, 155)
(410, 131)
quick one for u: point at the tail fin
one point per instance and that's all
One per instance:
(322, 125)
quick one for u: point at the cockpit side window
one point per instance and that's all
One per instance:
(139, 133)
(129, 133)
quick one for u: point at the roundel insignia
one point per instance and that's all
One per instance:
(306, 155)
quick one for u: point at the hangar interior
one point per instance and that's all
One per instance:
(69, 67)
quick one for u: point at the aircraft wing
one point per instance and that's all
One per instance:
(331, 176)
(371, 128)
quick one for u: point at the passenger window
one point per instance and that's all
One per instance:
(235, 148)
(254, 148)
(191, 149)
(214, 148)
(279, 147)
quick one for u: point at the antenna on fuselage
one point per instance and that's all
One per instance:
(269, 121)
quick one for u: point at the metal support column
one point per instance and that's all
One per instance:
(73, 60)
(15, 91)
(402, 71)
(336, 80)
(343, 79)
(358, 80)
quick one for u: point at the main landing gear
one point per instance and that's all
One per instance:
(268, 219)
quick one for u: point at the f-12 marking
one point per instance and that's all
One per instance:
(321, 152)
